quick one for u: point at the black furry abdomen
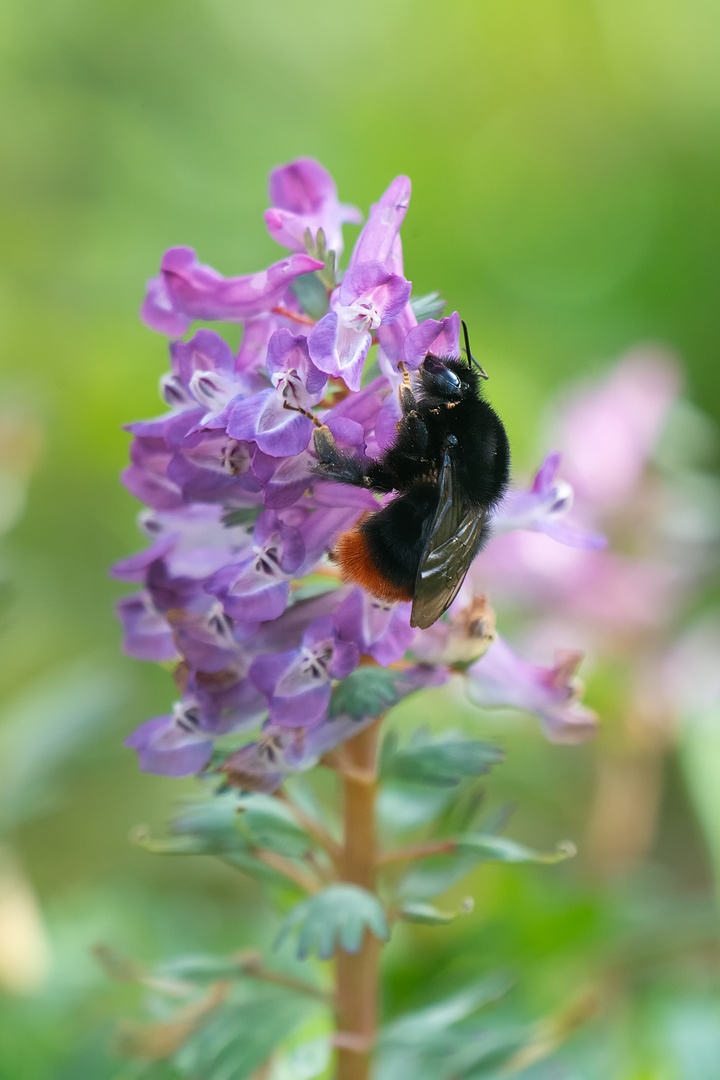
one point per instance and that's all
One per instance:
(396, 535)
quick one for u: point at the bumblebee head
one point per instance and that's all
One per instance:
(448, 379)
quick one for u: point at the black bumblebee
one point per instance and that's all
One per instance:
(450, 464)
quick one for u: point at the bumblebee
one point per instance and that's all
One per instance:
(449, 465)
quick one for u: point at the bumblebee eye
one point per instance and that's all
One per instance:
(439, 379)
(448, 383)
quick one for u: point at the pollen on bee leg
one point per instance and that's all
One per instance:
(356, 565)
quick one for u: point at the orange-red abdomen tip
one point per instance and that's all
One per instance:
(355, 559)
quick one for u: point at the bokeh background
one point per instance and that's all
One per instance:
(565, 158)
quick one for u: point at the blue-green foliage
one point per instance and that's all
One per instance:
(239, 1036)
(437, 762)
(337, 918)
(430, 306)
(367, 691)
(415, 911)
(444, 1041)
(214, 826)
(265, 822)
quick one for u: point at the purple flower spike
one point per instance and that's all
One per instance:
(441, 337)
(542, 508)
(378, 238)
(369, 297)
(304, 196)
(238, 582)
(188, 290)
(174, 745)
(501, 677)
(297, 683)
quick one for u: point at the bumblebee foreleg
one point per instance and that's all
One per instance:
(343, 468)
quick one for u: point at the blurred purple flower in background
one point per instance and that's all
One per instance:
(631, 454)
(236, 586)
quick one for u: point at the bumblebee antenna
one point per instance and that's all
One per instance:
(470, 358)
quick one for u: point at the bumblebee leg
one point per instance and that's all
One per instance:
(343, 468)
(407, 460)
(305, 412)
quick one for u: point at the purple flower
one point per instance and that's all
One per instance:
(542, 509)
(608, 430)
(271, 418)
(381, 630)
(256, 587)
(181, 743)
(304, 196)
(369, 297)
(441, 337)
(147, 634)
(379, 238)
(263, 765)
(187, 290)
(211, 466)
(501, 677)
(174, 745)
(298, 683)
(237, 583)
(206, 639)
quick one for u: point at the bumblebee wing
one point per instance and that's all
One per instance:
(452, 543)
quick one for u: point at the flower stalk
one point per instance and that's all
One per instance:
(358, 974)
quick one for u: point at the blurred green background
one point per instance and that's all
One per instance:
(565, 160)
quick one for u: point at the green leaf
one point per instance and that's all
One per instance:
(306, 1062)
(422, 1024)
(434, 876)
(438, 873)
(240, 1037)
(318, 250)
(337, 917)
(200, 968)
(443, 762)
(501, 849)
(311, 294)
(241, 515)
(208, 827)
(435, 1043)
(211, 822)
(265, 822)
(367, 691)
(428, 915)
(371, 371)
(403, 807)
(429, 306)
